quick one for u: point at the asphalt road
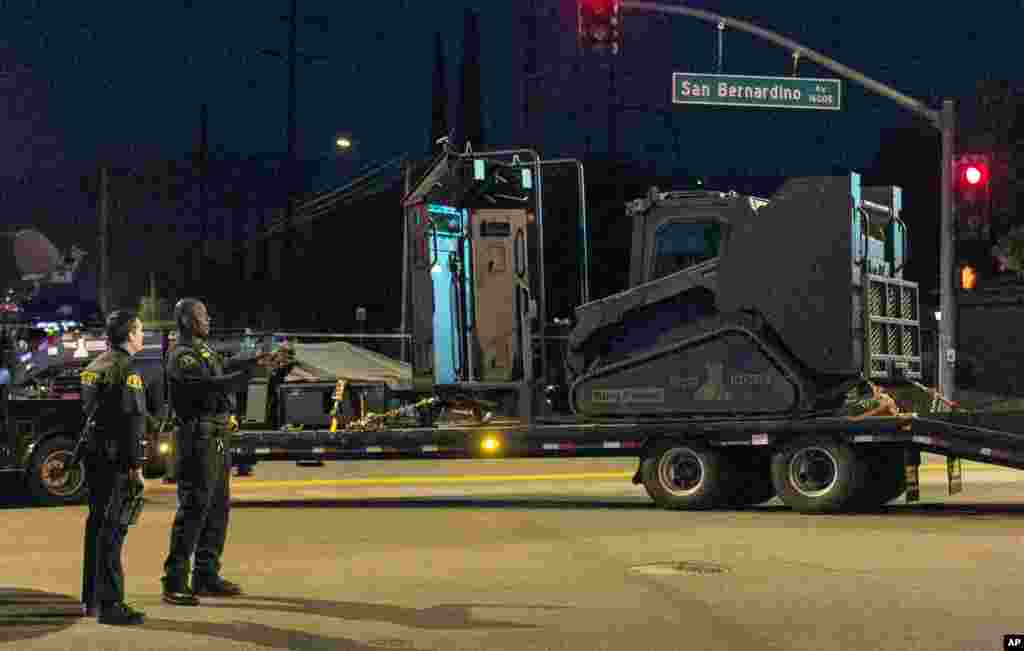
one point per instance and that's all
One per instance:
(502, 555)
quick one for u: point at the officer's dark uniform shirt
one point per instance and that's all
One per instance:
(201, 384)
(112, 382)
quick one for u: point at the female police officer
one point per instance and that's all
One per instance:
(112, 390)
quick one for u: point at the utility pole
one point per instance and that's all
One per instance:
(204, 210)
(291, 92)
(947, 254)
(943, 120)
(103, 288)
(613, 110)
(290, 173)
(405, 261)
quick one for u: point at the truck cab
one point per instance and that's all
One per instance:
(43, 417)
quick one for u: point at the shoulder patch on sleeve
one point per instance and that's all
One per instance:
(134, 381)
(187, 360)
(88, 378)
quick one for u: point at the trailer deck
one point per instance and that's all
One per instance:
(509, 438)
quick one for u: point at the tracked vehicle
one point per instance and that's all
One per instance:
(743, 307)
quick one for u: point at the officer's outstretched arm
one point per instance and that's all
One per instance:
(242, 362)
(189, 371)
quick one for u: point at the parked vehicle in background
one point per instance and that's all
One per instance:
(42, 416)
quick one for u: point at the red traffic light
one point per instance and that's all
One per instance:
(972, 171)
(975, 174)
(598, 27)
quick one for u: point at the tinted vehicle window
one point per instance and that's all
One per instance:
(679, 245)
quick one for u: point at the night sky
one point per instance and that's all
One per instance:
(102, 78)
(123, 82)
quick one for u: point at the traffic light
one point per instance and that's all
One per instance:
(598, 25)
(968, 277)
(972, 174)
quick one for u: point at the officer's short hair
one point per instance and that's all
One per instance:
(120, 324)
(183, 313)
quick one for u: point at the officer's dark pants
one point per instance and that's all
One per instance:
(102, 573)
(201, 523)
(172, 459)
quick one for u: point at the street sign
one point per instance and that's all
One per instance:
(761, 92)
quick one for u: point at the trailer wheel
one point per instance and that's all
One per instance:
(686, 476)
(49, 481)
(815, 475)
(752, 482)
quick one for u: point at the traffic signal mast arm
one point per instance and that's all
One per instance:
(848, 73)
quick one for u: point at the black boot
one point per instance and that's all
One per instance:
(214, 586)
(120, 614)
(177, 593)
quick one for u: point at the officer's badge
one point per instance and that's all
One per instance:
(134, 381)
(88, 378)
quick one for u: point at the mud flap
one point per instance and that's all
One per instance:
(911, 465)
(955, 475)
(638, 477)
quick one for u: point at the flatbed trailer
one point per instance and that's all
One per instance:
(817, 464)
(726, 367)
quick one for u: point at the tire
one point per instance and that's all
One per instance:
(49, 489)
(752, 482)
(817, 475)
(686, 476)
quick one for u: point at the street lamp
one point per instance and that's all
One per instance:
(343, 143)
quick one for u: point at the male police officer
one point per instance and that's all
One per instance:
(201, 392)
(113, 391)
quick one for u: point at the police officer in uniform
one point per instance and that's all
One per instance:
(113, 391)
(202, 389)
